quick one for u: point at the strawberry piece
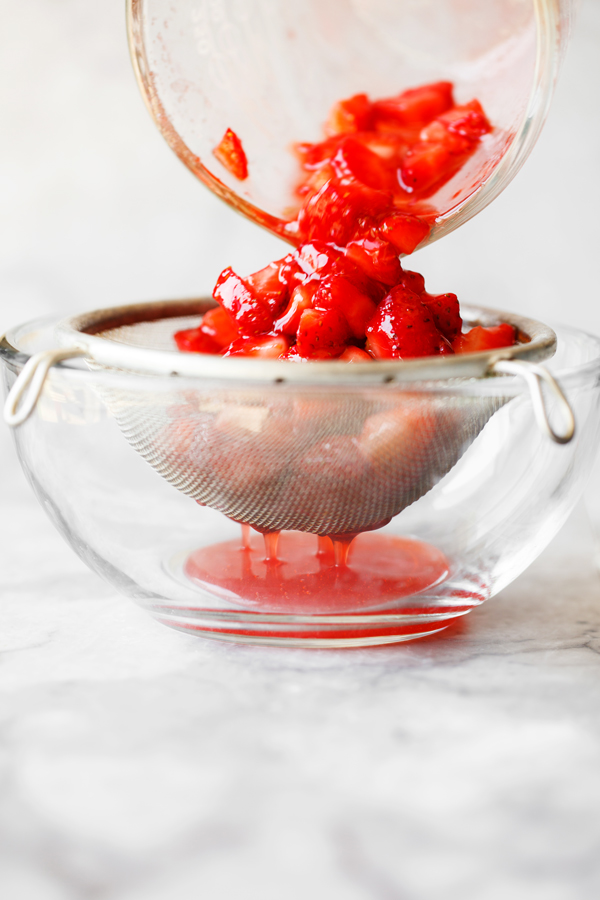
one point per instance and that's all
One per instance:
(468, 121)
(355, 355)
(218, 324)
(195, 340)
(416, 106)
(355, 161)
(403, 328)
(340, 294)
(268, 285)
(301, 299)
(317, 258)
(332, 214)
(353, 114)
(446, 313)
(426, 164)
(292, 355)
(313, 156)
(230, 154)
(268, 346)
(413, 281)
(479, 338)
(322, 334)
(251, 314)
(404, 232)
(377, 259)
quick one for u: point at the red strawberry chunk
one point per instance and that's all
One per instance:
(268, 285)
(338, 293)
(195, 340)
(230, 154)
(353, 114)
(403, 328)
(267, 346)
(426, 164)
(355, 355)
(416, 106)
(404, 232)
(331, 215)
(218, 324)
(479, 338)
(322, 334)
(376, 258)
(301, 299)
(251, 314)
(354, 161)
(468, 121)
(446, 313)
(413, 281)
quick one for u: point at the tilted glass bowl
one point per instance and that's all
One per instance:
(272, 69)
(481, 524)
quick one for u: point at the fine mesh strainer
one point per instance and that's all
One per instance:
(321, 447)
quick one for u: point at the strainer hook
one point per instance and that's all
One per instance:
(534, 375)
(26, 390)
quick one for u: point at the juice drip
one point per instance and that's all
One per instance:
(294, 572)
(341, 548)
(271, 539)
(246, 536)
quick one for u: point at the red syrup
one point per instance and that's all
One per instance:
(294, 573)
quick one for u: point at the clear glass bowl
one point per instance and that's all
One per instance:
(272, 69)
(479, 526)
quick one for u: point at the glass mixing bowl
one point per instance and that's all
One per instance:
(272, 69)
(471, 534)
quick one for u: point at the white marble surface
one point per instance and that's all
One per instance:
(140, 764)
(137, 763)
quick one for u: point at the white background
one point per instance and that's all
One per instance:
(96, 210)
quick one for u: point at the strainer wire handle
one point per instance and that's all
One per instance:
(535, 376)
(26, 390)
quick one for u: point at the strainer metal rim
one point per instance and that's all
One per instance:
(81, 333)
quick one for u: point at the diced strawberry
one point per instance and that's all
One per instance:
(403, 328)
(391, 434)
(413, 281)
(268, 346)
(268, 285)
(322, 334)
(389, 146)
(446, 313)
(317, 258)
(251, 314)
(230, 154)
(376, 258)
(218, 324)
(355, 355)
(354, 161)
(425, 164)
(353, 114)
(195, 340)
(468, 121)
(416, 106)
(332, 214)
(479, 338)
(292, 355)
(338, 293)
(404, 232)
(301, 299)
(315, 155)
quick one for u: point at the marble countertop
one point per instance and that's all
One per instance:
(138, 763)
